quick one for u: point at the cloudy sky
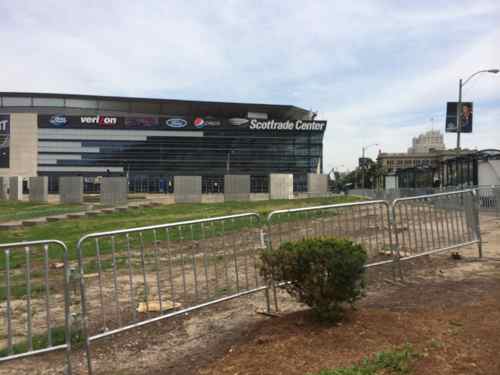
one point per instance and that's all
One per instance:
(378, 71)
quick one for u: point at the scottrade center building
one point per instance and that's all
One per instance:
(55, 135)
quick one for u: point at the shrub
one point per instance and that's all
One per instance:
(322, 273)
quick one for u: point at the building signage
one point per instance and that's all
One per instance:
(300, 125)
(177, 123)
(4, 141)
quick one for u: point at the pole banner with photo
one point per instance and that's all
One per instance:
(4, 141)
(451, 117)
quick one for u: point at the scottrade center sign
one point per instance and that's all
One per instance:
(62, 121)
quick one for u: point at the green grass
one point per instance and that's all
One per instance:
(42, 342)
(15, 211)
(70, 231)
(394, 362)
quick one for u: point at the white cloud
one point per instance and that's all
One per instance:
(378, 71)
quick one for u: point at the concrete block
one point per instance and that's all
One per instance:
(317, 184)
(236, 187)
(4, 188)
(71, 189)
(187, 189)
(280, 186)
(39, 189)
(114, 191)
(15, 188)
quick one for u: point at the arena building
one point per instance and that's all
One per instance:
(54, 135)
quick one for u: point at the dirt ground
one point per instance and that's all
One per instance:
(449, 310)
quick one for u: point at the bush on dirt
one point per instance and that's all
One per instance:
(322, 273)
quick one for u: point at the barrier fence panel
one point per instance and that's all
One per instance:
(133, 277)
(367, 223)
(487, 198)
(34, 299)
(429, 224)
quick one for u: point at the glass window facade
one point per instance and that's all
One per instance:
(215, 153)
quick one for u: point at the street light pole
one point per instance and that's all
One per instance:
(459, 113)
(459, 104)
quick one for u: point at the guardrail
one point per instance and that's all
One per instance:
(133, 277)
(31, 326)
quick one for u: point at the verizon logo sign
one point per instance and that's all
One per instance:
(99, 120)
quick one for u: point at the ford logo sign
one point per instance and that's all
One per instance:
(176, 122)
(58, 120)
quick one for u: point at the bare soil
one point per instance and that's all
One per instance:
(449, 310)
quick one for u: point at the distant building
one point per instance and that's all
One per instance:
(426, 142)
(427, 150)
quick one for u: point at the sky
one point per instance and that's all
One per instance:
(380, 72)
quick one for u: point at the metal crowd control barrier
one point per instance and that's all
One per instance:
(367, 223)
(133, 277)
(429, 224)
(34, 289)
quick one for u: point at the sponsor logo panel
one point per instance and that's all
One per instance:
(164, 123)
(58, 120)
(199, 123)
(235, 121)
(176, 123)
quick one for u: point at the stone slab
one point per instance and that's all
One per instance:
(187, 189)
(33, 222)
(236, 187)
(76, 215)
(51, 219)
(280, 186)
(11, 225)
(39, 189)
(114, 191)
(317, 185)
(4, 188)
(71, 189)
(15, 188)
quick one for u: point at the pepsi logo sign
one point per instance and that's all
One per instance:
(199, 122)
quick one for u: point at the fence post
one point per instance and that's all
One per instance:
(477, 228)
(391, 217)
(269, 246)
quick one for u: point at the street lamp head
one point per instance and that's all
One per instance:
(494, 71)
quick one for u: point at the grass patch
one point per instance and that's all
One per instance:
(20, 291)
(42, 342)
(395, 362)
(16, 211)
(71, 230)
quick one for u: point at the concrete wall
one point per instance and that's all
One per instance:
(187, 189)
(15, 188)
(236, 187)
(212, 198)
(317, 184)
(489, 172)
(23, 145)
(71, 189)
(114, 191)
(280, 186)
(39, 189)
(259, 196)
(4, 187)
